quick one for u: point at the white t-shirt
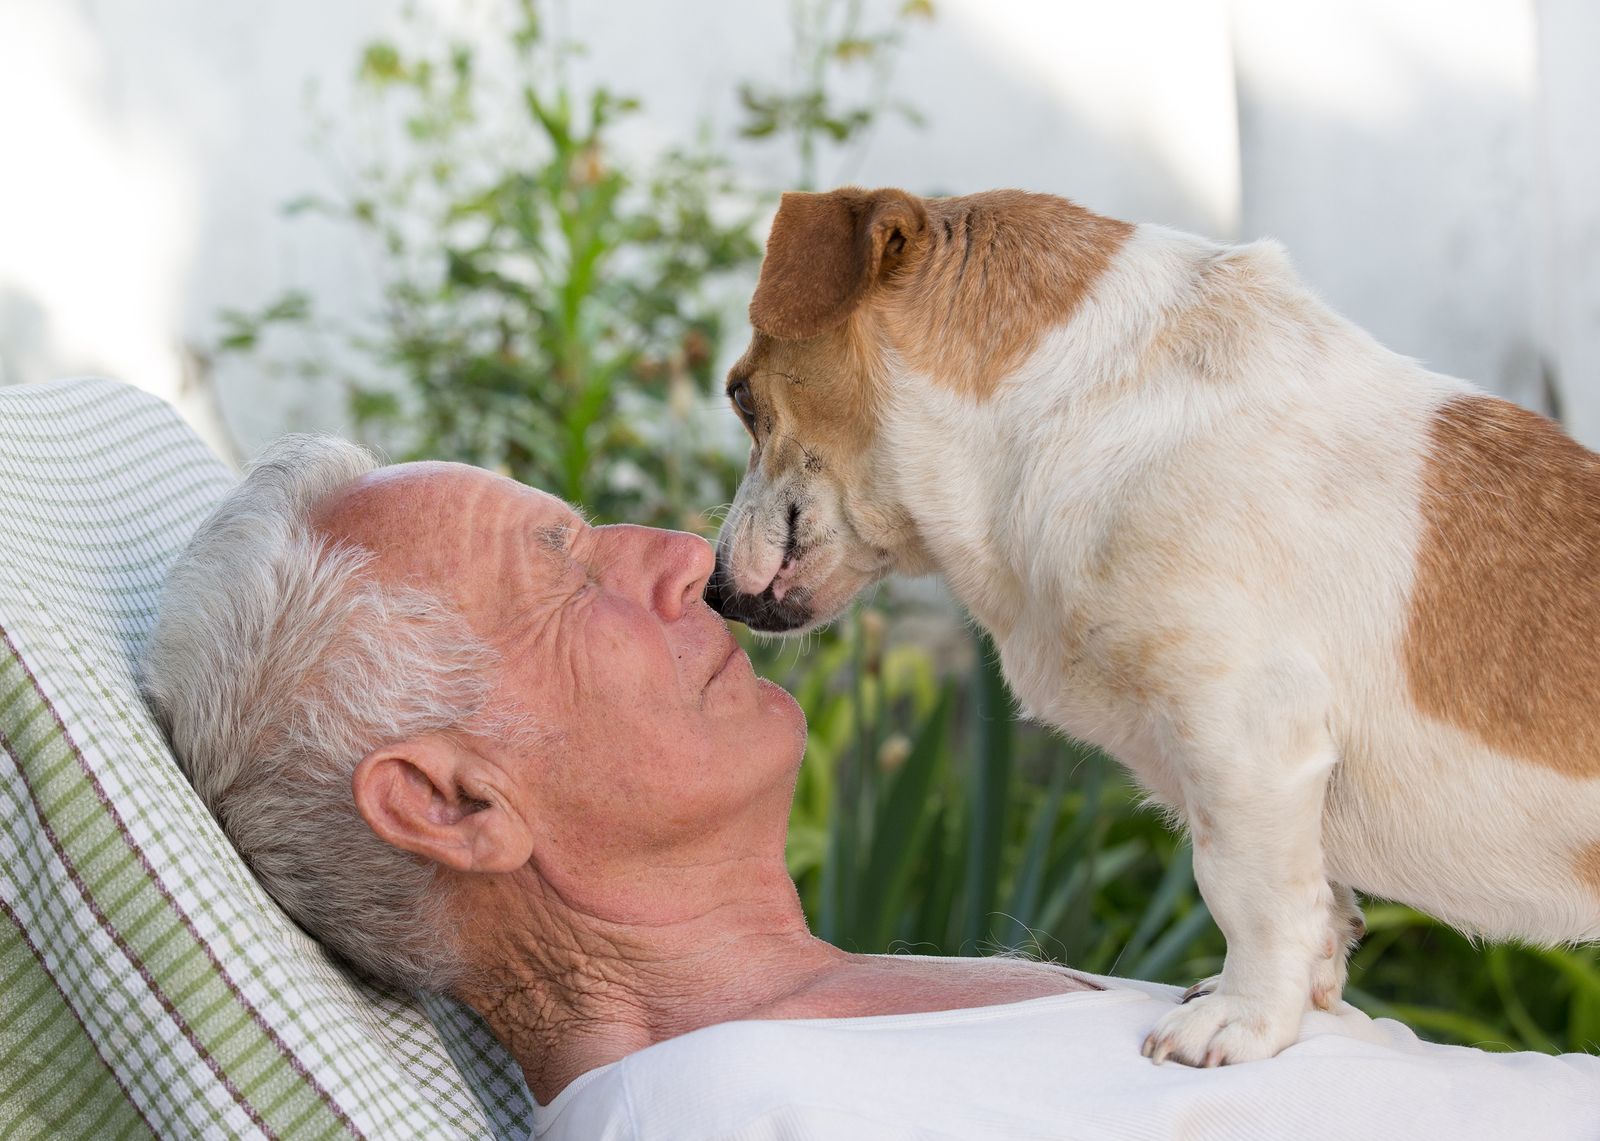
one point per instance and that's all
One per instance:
(1065, 1066)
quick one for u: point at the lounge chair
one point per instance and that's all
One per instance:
(148, 985)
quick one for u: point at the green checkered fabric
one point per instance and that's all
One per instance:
(148, 986)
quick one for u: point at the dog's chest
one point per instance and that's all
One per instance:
(1074, 671)
(1030, 546)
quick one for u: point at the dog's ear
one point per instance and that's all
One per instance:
(826, 251)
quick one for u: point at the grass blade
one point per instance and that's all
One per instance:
(988, 782)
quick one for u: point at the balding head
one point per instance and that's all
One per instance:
(384, 506)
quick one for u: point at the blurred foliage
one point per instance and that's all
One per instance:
(551, 309)
(832, 44)
(548, 310)
(966, 832)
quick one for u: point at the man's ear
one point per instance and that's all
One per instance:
(826, 251)
(435, 797)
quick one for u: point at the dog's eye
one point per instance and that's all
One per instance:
(740, 395)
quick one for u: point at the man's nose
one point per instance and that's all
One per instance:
(686, 562)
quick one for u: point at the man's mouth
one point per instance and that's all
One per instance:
(727, 660)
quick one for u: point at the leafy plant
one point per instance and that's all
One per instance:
(548, 308)
(927, 818)
(832, 45)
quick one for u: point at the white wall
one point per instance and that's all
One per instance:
(1568, 156)
(1431, 165)
(1392, 147)
(145, 149)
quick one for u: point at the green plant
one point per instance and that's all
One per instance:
(549, 308)
(927, 817)
(832, 45)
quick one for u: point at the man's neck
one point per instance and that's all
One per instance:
(584, 988)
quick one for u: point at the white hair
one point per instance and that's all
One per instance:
(276, 664)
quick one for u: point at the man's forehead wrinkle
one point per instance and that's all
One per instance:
(468, 534)
(414, 518)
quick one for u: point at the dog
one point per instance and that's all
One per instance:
(1338, 614)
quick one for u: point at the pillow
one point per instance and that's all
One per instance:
(148, 985)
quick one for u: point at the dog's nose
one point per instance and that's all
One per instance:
(717, 592)
(761, 611)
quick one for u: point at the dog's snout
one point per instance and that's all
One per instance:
(763, 611)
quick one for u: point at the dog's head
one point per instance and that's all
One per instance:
(868, 300)
(812, 522)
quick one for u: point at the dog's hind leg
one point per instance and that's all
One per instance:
(1255, 760)
(1346, 928)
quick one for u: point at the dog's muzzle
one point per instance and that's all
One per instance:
(761, 611)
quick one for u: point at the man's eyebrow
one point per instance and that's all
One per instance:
(553, 537)
(556, 537)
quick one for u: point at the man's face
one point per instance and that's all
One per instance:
(656, 724)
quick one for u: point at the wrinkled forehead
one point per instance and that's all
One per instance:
(450, 528)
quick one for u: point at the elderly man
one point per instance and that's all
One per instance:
(476, 745)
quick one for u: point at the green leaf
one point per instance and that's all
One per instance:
(381, 64)
(855, 48)
(759, 128)
(989, 777)
(368, 406)
(1180, 941)
(1026, 892)
(1176, 886)
(898, 828)
(306, 204)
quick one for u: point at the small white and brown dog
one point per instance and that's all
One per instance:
(1338, 613)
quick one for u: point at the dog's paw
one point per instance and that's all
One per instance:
(1345, 931)
(1328, 978)
(1220, 1029)
(1329, 972)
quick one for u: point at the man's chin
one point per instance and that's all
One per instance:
(781, 701)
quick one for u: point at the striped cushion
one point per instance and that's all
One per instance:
(148, 986)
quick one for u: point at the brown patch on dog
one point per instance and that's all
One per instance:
(1001, 269)
(1503, 637)
(962, 288)
(1587, 865)
(826, 251)
(816, 399)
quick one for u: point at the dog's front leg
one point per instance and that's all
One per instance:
(1255, 814)
(1346, 929)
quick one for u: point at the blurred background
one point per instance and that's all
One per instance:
(522, 234)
